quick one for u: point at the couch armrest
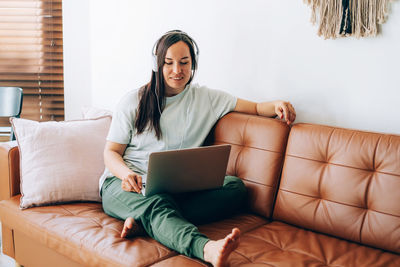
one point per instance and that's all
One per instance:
(9, 170)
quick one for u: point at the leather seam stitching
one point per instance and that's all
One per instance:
(376, 148)
(163, 258)
(327, 146)
(240, 152)
(250, 181)
(367, 189)
(341, 165)
(237, 252)
(287, 250)
(192, 259)
(89, 218)
(316, 198)
(252, 147)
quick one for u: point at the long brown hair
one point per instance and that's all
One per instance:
(152, 95)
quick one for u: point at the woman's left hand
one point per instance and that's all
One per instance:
(282, 109)
(285, 110)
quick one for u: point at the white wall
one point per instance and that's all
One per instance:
(256, 49)
(77, 60)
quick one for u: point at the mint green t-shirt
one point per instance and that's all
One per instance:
(185, 122)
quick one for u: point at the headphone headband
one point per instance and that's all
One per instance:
(154, 52)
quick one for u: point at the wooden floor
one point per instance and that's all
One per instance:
(5, 261)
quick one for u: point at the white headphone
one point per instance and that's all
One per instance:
(154, 54)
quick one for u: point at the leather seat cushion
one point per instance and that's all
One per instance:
(281, 244)
(84, 233)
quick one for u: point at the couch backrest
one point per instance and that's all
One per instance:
(344, 183)
(258, 147)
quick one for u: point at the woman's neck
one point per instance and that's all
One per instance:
(172, 91)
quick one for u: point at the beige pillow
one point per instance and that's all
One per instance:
(60, 161)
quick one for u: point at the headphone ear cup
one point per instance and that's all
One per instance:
(155, 64)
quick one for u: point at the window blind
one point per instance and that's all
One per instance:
(31, 56)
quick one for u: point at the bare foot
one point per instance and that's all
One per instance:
(131, 228)
(217, 252)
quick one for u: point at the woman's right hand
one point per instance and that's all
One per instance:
(132, 182)
(113, 152)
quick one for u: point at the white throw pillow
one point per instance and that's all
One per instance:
(94, 112)
(60, 161)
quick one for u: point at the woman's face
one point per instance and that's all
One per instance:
(177, 68)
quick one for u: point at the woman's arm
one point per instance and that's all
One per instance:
(268, 109)
(113, 160)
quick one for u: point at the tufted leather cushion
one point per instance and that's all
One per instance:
(344, 183)
(280, 244)
(258, 145)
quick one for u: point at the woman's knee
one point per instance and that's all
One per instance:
(111, 206)
(235, 183)
(162, 201)
(162, 197)
(237, 191)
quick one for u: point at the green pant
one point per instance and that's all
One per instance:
(169, 218)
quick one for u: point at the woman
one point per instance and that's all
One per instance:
(171, 113)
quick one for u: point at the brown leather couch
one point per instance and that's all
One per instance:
(318, 196)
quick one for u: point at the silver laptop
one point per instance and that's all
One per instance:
(186, 170)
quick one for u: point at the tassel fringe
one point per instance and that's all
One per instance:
(338, 18)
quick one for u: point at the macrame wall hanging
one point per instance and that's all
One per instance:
(338, 18)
